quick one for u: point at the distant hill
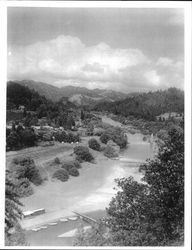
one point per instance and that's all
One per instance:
(50, 92)
(147, 105)
(78, 95)
(19, 95)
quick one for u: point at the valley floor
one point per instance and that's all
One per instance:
(89, 192)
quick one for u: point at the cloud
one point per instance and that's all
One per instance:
(176, 16)
(66, 60)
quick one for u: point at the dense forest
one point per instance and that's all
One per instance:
(20, 95)
(36, 108)
(146, 105)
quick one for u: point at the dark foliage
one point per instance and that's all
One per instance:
(20, 95)
(147, 105)
(61, 174)
(115, 134)
(105, 137)
(94, 144)
(25, 167)
(20, 137)
(58, 112)
(90, 129)
(73, 171)
(63, 136)
(23, 187)
(83, 154)
(149, 213)
(17, 238)
(12, 204)
(57, 160)
(110, 152)
(152, 213)
(68, 165)
(77, 164)
(13, 214)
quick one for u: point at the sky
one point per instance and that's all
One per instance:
(123, 49)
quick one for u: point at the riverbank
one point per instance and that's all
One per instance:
(92, 190)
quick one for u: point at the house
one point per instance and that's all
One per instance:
(167, 116)
(21, 108)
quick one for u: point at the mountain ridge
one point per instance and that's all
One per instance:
(54, 93)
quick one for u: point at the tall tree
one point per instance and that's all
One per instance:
(150, 213)
(12, 204)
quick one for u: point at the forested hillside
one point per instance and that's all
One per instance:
(50, 92)
(20, 95)
(79, 95)
(147, 105)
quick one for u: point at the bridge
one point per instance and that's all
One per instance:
(131, 161)
(85, 218)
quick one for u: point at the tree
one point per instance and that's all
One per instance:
(70, 122)
(13, 140)
(94, 144)
(25, 167)
(150, 213)
(90, 129)
(12, 204)
(13, 214)
(82, 115)
(28, 137)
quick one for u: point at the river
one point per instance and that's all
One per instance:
(91, 192)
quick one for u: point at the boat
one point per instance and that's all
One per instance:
(73, 218)
(36, 229)
(64, 220)
(52, 223)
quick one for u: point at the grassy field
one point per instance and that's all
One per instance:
(39, 153)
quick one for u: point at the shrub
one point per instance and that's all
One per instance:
(25, 168)
(116, 135)
(73, 137)
(22, 161)
(60, 136)
(23, 187)
(90, 129)
(67, 166)
(61, 174)
(144, 138)
(71, 164)
(63, 136)
(77, 164)
(94, 144)
(57, 160)
(83, 154)
(104, 138)
(73, 171)
(79, 149)
(110, 152)
(36, 177)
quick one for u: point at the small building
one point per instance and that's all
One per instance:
(33, 213)
(21, 107)
(167, 116)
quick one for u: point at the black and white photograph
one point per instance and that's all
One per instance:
(97, 125)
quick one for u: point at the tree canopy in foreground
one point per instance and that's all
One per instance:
(149, 213)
